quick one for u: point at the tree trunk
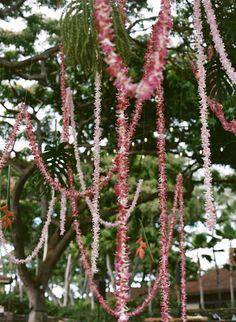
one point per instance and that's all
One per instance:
(202, 303)
(231, 280)
(67, 280)
(38, 310)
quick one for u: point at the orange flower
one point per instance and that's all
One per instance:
(140, 252)
(8, 217)
(3, 208)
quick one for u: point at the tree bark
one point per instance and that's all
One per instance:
(38, 308)
(231, 280)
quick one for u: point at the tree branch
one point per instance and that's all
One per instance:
(23, 63)
(12, 9)
(140, 20)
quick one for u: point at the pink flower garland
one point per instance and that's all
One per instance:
(84, 259)
(117, 69)
(38, 158)
(217, 109)
(65, 111)
(178, 195)
(108, 224)
(182, 252)
(44, 171)
(205, 133)
(96, 174)
(12, 137)
(63, 214)
(219, 44)
(40, 244)
(161, 150)
(121, 190)
(93, 205)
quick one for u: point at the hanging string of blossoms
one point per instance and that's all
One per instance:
(217, 109)
(163, 207)
(63, 214)
(219, 44)
(43, 169)
(65, 110)
(85, 261)
(96, 174)
(205, 133)
(117, 68)
(138, 190)
(182, 252)
(121, 190)
(41, 242)
(178, 199)
(93, 205)
(12, 137)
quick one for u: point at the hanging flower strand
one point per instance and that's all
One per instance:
(96, 174)
(217, 109)
(117, 69)
(205, 133)
(219, 44)
(182, 251)
(63, 214)
(161, 151)
(12, 137)
(156, 284)
(93, 205)
(85, 262)
(65, 110)
(121, 190)
(41, 242)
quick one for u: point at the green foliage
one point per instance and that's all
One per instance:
(199, 241)
(79, 35)
(227, 232)
(12, 303)
(56, 158)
